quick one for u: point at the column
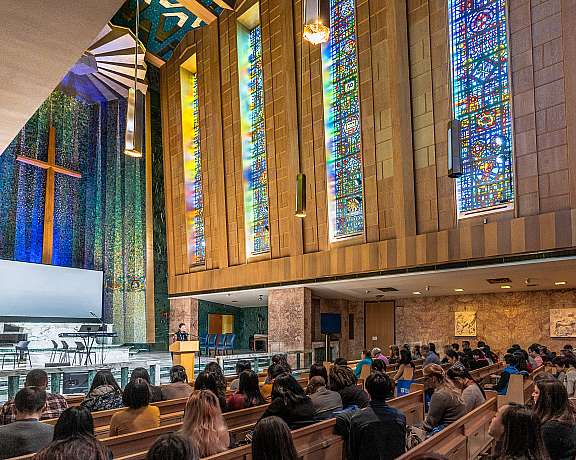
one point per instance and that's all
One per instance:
(289, 320)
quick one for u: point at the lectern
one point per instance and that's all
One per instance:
(183, 355)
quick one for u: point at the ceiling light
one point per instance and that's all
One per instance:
(316, 33)
(560, 283)
(416, 293)
(505, 286)
(458, 290)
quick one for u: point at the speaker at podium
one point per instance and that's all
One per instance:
(183, 355)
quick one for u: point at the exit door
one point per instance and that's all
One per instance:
(379, 325)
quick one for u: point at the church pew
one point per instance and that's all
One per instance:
(519, 388)
(464, 439)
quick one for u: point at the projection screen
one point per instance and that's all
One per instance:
(35, 290)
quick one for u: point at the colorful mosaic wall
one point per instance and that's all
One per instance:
(194, 204)
(99, 220)
(481, 101)
(342, 123)
(255, 175)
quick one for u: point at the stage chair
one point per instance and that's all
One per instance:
(80, 351)
(203, 343)
(211, 344)
(54, 352)
(22, 352)
(65, 352)
(229, 343)
(219, 343)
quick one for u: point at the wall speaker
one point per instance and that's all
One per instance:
(300, 195)
(454, 146)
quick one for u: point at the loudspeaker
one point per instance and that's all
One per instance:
(454, 147)
(300, 195)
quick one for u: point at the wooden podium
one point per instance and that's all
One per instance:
(183, 355)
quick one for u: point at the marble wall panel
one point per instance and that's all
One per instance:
(184, 310)
(289, 320)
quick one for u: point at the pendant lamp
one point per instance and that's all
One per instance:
(314, 31)
(134, 111)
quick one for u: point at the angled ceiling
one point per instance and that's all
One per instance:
(39, 42)
(164, 23)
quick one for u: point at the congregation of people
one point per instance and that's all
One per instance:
(545, 428)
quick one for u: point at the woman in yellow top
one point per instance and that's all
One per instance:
(139, 414)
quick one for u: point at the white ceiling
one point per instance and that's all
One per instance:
(39, 41)
(534, 275)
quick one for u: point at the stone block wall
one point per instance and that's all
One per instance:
(502, 319)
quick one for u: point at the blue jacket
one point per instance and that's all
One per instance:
(502, 386)
(358, 369)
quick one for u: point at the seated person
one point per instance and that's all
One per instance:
(416, 352)
(209, 381)
(394, 354)
(340, 362)
(248, 394)
(405, 373)
(74, 421)
(453, 358)
(377, 354)
(429, 354)
(446, 404)
(104, 393)
(558, 418)
(378, 366)
(155, 391)
(502, 386)
(472, 393)
(290, 403)
(75, 447)
(172, 446)
(516, 430)
(478, 360)
(379, 431)
(272, 439)
(534, 354)
(274, 370)
(319, 370)
(139, 414)
(178, 386)
(241, 366)
(214, 368)
(366, 360)
(325, 401)
(203, 424)
(26, 434)
(55, 403)
(343, 381)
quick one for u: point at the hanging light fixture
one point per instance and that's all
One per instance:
(300, 195)
(133, 139)
(314, 31)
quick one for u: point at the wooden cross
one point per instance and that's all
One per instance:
(51, 169)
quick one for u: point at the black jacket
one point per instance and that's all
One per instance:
(559, 439)
(296, 415)
(354, 395)
(375, 433)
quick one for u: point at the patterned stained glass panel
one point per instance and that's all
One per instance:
(481, 101)
(194, 204)
(252, 123)
(342, 123)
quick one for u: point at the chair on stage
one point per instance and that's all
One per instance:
(54, 352)
(65, 352)
(203, 343)
(20, 353)
(228, 344)
(82, 351)
(211, 343)
(219, 343)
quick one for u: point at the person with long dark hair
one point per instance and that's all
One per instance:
(272, 440)
(405, 373)
(139, 414)
(558, 418)
(472, 393)
(104, 393)
(178, 386)
(142, 373)
(75, 447)
(318, 370)
(248, 394)
(214, 368)
(172, 446)
(366, 359)
(343, 380)
(74, 421)
(516, 430)
(290, 403)
(209, 381)
(274, 370)
(241, 366)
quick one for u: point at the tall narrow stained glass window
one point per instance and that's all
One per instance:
(194, 203)
(252, 127)
(342, 123)
(481, 102)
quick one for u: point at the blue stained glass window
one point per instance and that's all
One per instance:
(481, 101)
(342, 123)
(253, 129)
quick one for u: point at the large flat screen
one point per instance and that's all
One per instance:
(35, 290)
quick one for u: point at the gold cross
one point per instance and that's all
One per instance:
(51, 169)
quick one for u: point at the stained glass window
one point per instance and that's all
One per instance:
(194, 204)
(254, 164)
(481, 101)
(342, 123)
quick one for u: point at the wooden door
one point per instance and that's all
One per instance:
(379, 325)
(214, 323)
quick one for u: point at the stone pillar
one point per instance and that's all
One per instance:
(289, 320)
(184, 310)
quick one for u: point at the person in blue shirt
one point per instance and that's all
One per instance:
(366, 359)
(429, 354)
(511, 368)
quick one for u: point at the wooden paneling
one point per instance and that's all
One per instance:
(410, 207)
